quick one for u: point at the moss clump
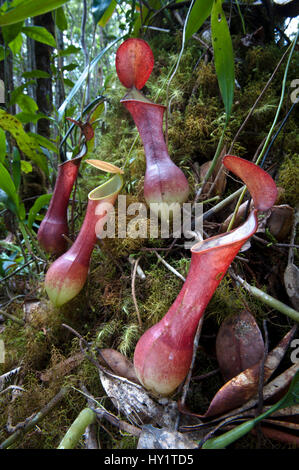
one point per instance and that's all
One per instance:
(289, 178)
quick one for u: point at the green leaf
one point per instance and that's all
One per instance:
(40, 34)
(25, 143)
(108, 13)
(2, 52)
(201, 10)
(7, 185)
(28, 9)
(11, 32)
(60, 18)
(17, 91)
(26, 103)
(10, 246)
(146, 16)
(43, 142)
(26, 167)
(16, 45)
(36, 74)
(223, 55)
(69, 50)
(83, 76)
(2, 145)
(98, 9)
(68, 82)
(70, 67)
(16, 168)
(26, 117)
(40, 202)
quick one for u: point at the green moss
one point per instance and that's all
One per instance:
(288, 179)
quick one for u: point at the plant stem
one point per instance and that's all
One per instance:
(36, 419)
(73, 435)
(267, 299)
(216, 156)
(13, 318)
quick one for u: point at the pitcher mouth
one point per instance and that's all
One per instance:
(244, 231)
(109, 188)
(136, 96)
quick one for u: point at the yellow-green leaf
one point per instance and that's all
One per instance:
(25, 143)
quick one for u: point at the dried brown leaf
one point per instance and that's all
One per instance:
(118, 363)
(239, 344)
(244, 386)
(291, 282)
(62, 368)
(280, 436)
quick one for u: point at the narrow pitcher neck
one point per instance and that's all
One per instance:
(148, 118)
(66, 176)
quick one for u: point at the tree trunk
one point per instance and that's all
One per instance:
(44, 95)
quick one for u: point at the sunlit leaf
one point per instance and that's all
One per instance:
(28, 9)
(7, 185)
(16, 45)
(40, 34)
(108, 13)
(26, 167)
(98, 9)
(16, 168)
(27, 145)
(201, 10)
(27, 103)
(223, 55)
(2, 145)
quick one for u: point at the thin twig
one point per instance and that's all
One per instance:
(173, 270)
(188, 378)
(28, 425)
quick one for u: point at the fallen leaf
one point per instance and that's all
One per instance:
(105, 166)
(218, 178)
(244, 386)
(280, 221)
(118, 363)
(281, 436)
(291, 282)
(239, 344)
(139, 407)
(62, 368)
(154, 438)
